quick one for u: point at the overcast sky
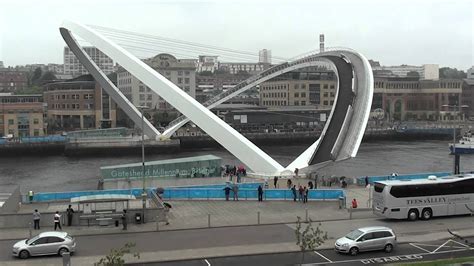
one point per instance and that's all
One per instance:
(392, 32)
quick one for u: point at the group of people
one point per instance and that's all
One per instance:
(238, 172)
(69, 215)
(56, 218)
(228, 189)
(302, 193)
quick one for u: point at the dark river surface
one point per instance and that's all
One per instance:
(59, 173)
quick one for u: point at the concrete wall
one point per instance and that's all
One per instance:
(24, 220)
(11, 205)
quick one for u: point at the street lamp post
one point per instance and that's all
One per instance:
(456, 156)
(144, 194)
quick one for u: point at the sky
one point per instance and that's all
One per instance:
(392, 32)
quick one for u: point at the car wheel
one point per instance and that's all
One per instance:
(62, 251)
(427, 214)
(388, 248)
(353, 251)
(24, 254)
(413, 215)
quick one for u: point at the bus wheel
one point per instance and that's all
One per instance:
(413, 215)
(427, 214)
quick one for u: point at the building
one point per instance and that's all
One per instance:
(1, 64)
(73, 67)
(240, 67)
(180, 72)
(470, 73)
(79, 103)
(265, 56)
(468, 93)
(208, 86)
(411, 98)
(207, 63)
(300, 88)
(427, 71)
(11, 80)
(21, 115)
(254, 119)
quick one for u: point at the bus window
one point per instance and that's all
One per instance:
(378, 187)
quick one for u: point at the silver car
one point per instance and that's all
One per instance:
(367, 238)
(46, 243)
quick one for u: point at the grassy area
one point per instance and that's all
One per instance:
(441, 262)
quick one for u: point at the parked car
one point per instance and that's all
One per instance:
(46, 243)
(365, 239)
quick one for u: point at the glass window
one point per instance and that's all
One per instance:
(186, 80)
(40, 241)
(53, 239)
(366, 237)
(297, 94)
(11, 121)
(379, 187)
(36, 121)
(180, 80)
(354, 234)
(180, 73)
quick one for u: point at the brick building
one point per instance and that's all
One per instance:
(21, 115)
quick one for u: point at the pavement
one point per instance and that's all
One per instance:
(228, 242)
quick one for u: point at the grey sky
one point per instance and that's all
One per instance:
(395, 32)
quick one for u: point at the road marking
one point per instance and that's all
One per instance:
(323, 256)
(419, 254)
(464, 245)
(208, 264)
(411, 244)
(434, 251)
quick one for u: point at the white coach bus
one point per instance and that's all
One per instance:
(424, 198)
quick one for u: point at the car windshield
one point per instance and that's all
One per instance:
(30, 240)
(354, 234)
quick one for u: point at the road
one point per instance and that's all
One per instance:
(213, 241)
(409, 252)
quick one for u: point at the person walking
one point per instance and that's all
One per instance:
(260, 193)
(293, 189)
(227, 190)
(305, 194)
(57, 221)
(124, 220)
(36, 219)
(275, 181)
(70, 213)
(300, 190)
(288, 183)
(366, 181)
(235, 189)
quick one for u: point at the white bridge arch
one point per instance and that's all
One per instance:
(341, 136)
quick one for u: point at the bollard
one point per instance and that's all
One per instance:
(306, 213)
(209, 220)
(30, 229)
(66, 259)
(350, 214)
(258, 217)
(157, 223)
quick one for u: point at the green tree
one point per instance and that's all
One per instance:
(47, 76)
(115, 257)
(30, 90)
(451, 73)
(413, 74)
(36, 76)
(310, 238)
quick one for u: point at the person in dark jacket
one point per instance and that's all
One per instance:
(293, 189)
(227, 190)
(124, 220)
(260, 193)
(69, 213)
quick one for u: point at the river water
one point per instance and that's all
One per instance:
(59, 173)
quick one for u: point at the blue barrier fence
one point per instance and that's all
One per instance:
(372, 179)
(39, 139)
(246, 191)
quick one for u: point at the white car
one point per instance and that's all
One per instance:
(46, 243)
(365, 239)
